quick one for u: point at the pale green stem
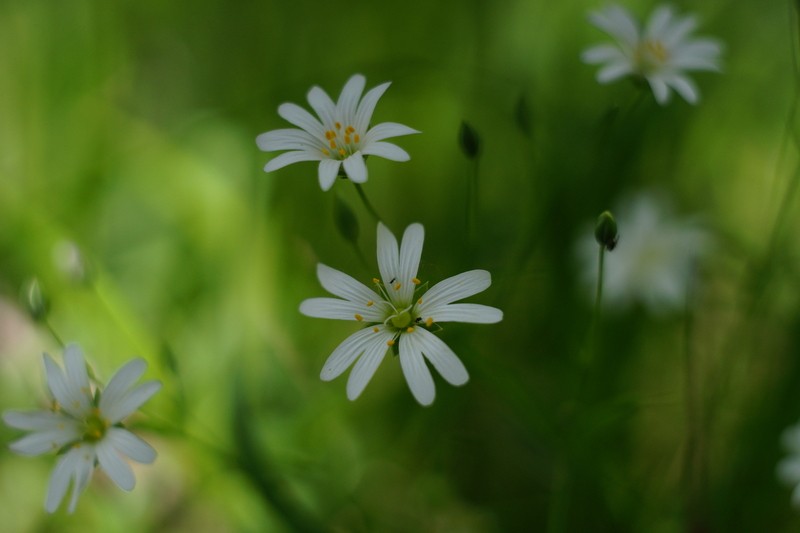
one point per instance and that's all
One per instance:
(367, 203)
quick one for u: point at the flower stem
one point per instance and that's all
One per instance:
(472, 201)
(53, 333)
(367, 203)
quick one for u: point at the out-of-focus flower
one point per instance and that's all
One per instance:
(84, 426)
(661, 53)
(400, 315)
(788, 470)
(653, 259)
(341, 137)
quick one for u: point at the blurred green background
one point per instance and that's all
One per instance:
(128, 128)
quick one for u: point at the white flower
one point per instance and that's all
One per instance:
(341, 137)
(653, 261)
(660, 53)
(85, 428)
(396, 316)
(788, 469)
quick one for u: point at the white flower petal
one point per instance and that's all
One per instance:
(660, 89)
(788, 470)
(678, 31)
(684, 87)
(130, 445)
(470, 313)
(366, 366)
(117, 469)
(131, 401)
(443, 359)
(83, 470)
(453, 289)
(122, 380)
(353, 346)
(417, 375)
(59, 480)
(77, 377)
(336, 309)
(328, 171)
(33, 420)
(602, 53)
(388, 256)
(288, 139)
(61, 389)
(322, 105)
(367, 106)
(389, 151)
(344, 286)
(617, 22)
(386, 130)
(614, 71)
(355, 168)
(408, 263)
(50, 440)
(289, 158)
(348, 99)
(301, 118)
(659, 21)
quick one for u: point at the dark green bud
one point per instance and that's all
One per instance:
(522, 116)
(345, 220)
(469, 140)
(606, 230)
(35, 300)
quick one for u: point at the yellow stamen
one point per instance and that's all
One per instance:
(429, 321)
(329, 135)
(333, 145)
(349, 129)
(375, 329)
(370, 303)
(376, 281)
(415, 281)
(419, 302)
(390, 342)
(341, 151)
(359, 317)
(338, 125)
(326, 152)
(356, 138)
(410, 329)
(347, 139)
(397, 286)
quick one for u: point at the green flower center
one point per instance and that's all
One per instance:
(402, 320)
(94, 427)
(652, 54)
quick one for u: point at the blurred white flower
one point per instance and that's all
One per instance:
(85, 428)
(396, 316)
(788, 470)
(653, 260)
(660, 53)
(341, 137)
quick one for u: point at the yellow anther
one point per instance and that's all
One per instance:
(326, 151)
(397, 286)
(347, 139)
(410, 329)
(390, 342)
(375, 329)
(341, 151)
(338, 125)
(370, 303)
(359, 317)
(357, 138)
(330, 135)
(333, 145)
(419, 302)
(349, 129)
(376, 281)
(429, 321)
(415, 281)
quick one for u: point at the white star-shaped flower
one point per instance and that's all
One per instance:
(397, 316)
(653, 260)
(85, 427)
(340, 137)
(660, 53)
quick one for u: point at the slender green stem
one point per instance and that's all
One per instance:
(367, 203)
(471, 211)
(53, 333)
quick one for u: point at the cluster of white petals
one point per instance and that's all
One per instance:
(339, 137)
(661, 52)
(396, 315)
(85, 427)
(654, 259)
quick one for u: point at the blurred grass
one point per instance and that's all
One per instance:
(129, 129)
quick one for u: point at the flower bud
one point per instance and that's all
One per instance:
(522, 116)
(469, 140)
(605, 232)
(35, 300)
